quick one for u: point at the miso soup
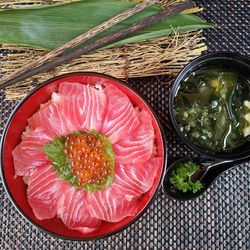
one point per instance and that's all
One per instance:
(209, 109)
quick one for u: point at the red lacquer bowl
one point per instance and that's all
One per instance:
(15, 187)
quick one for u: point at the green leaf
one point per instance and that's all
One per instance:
(78, 133)
(180, 23)
(55, 152)
(51, 26)
(181, 177)
(95, 187)
(196, 186)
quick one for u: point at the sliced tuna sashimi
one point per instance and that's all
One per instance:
(85, 106)
(50, 119)
(70, 107)
(138, 146)
(44, 191)
(121, 118)
(135, 179)
(26, 155)
(110, 206)
(70, 88)
(73, 210)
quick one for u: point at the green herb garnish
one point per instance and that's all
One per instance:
(181, 177)
(56, 151)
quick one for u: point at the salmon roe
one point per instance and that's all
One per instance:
(87, 157)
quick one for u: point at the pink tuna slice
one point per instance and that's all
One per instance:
(26, 155)
(72, 208)
(138, 146)
(71, 88)
(110, 206)
(84, 105)
(133, 180)
(50, 119)
(121, 119)
(44, 191)
(67, 107)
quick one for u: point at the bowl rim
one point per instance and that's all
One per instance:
(244, 60)
(2, 142)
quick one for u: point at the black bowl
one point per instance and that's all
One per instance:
(229, 61)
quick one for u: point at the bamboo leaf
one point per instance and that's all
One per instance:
(51, 26)
(180, 22)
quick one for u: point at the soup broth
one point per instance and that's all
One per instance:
(209, 109)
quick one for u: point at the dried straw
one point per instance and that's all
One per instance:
(165, 55)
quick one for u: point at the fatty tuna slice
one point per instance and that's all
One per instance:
(50, 119)
(71, 88)
(27, 155)
(133, 180)
(121, 119)
(68, 107)
(44, 191)
(72, 208)
(109, 205)
(138, 146)
(84, 105)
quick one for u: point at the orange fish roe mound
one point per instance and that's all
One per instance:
(88, 158)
